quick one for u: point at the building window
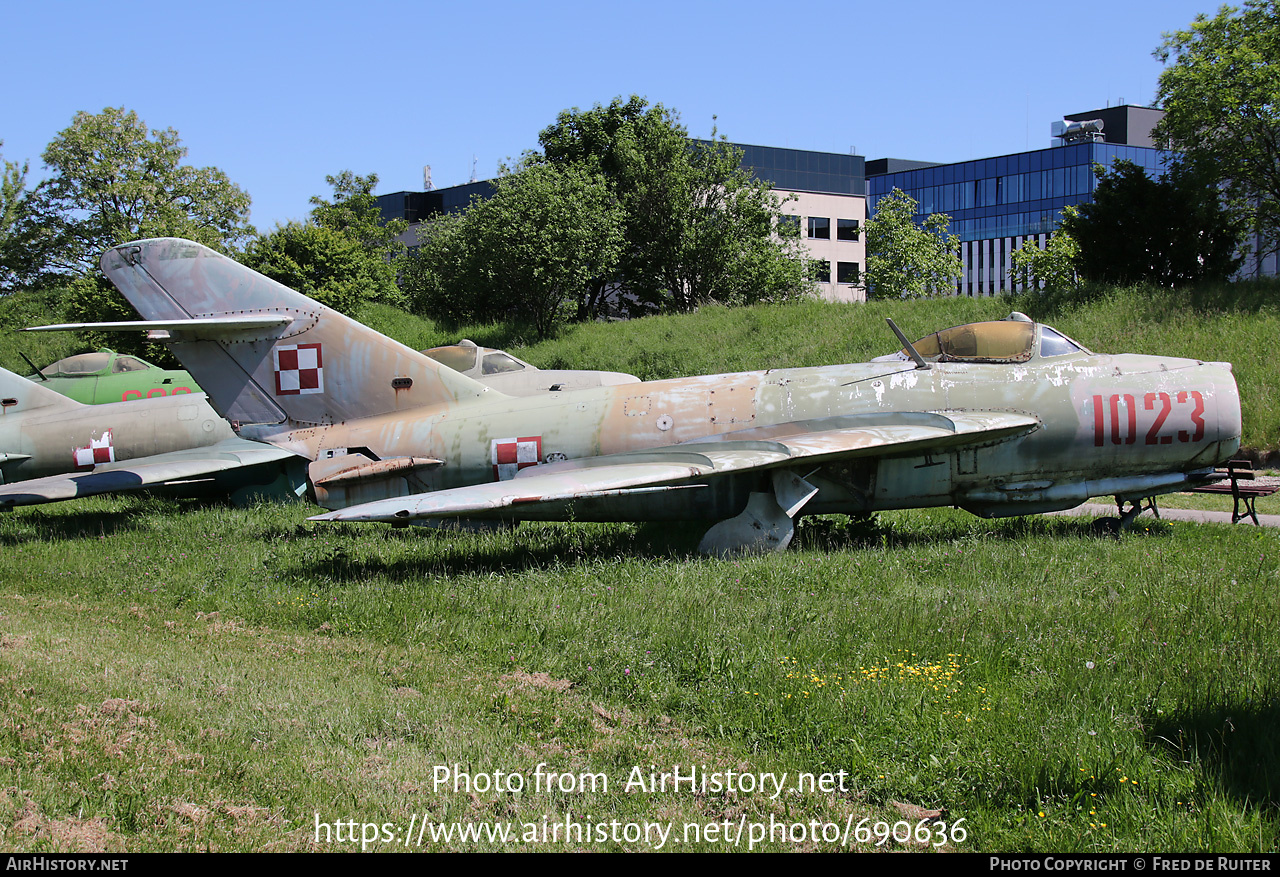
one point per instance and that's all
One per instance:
(788, 226)
(822, 271)
(820, 227)
(847, 272)
(847, 229)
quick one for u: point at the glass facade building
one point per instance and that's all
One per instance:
(998, 204)
(799, 170)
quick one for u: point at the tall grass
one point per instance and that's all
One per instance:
(1126, 690)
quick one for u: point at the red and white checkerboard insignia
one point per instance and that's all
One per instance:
(510, 455)
(98, 451)
(299, 369)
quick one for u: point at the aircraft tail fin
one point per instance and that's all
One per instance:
(17, 394)
(268, 354)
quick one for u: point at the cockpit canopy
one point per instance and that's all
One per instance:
(464, 356)
(1011, 340)
(100, 362)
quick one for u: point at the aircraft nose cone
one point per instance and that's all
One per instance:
(1230, 423)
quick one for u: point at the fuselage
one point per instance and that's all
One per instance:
(1106, 423)
(56, 440)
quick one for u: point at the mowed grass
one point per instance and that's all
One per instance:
(179, 676)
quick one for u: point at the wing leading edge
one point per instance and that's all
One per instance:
(809, 443)
(143, 472)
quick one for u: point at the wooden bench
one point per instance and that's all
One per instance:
(1235, 472)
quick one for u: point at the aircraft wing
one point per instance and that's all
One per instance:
(142, 472)
(804, 444)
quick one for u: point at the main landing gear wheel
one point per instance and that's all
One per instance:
(1113, 526)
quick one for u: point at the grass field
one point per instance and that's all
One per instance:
(191, 677)
(184, 676)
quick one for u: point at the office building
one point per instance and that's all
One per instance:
(1000, 204)
(825, 193)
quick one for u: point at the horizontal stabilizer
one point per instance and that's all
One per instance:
(198, 328)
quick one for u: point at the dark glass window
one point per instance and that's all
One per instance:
(822, 271)
(847, 230)
(789, 226)
(847, 272)
(820, 227)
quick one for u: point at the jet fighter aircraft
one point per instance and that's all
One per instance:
(54, 448)
(1000, 418)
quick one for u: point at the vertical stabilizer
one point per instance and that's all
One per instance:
(320, 367)
(17, 394)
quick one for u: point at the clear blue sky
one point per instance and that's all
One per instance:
(280, 94)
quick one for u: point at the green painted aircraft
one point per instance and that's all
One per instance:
(107, 376)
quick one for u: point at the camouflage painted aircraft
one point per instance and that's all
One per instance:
(1000, 418)
(54, 448)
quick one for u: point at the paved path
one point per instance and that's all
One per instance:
(1195, 515)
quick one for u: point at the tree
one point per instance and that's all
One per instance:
(905, 260)
(1051, 268)
(1221, 97)
(14, 205)
(538, 250)
(354, 212)
(1171, 231)
(343, 255)
(721, 247)
(113, 181)
(319, 262)
(698, 226)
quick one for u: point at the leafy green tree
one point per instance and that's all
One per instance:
(354, 212)
(698, 227)
(319, 262)
(538, 251)
(114, 181)
(1052, 267)
(13, 211)
(1221, 97)
(906, 260)
(1170, 231)
(343, 255)
(438, 273)
(722, 247)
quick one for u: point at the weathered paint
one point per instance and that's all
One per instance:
(44, 435)
(994, 437)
